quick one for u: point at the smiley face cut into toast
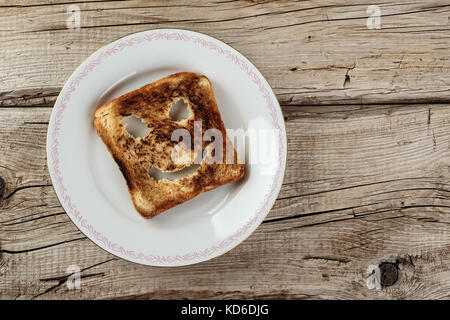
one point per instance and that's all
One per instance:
(138, 156)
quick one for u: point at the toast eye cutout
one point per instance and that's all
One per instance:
(157, 174)
(135, 127)
(179, 110)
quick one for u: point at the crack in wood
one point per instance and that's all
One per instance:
(112, 25)
(358, 216)
(26, 187)
(390, 103)
(214, 294)
(410, 189)
(29, 98)
(49, 4)
(304, 215)
(332, 259)
(315, 224)
(365, 185)
(37, 122)
(61, 280)
(34, 219)
(47, 206)
(347, 19)
(39, 248)
(347, 75)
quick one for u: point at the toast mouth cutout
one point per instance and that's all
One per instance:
(158, 174)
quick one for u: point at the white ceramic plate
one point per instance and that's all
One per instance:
(91, 187)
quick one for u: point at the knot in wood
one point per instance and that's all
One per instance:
(2, 187)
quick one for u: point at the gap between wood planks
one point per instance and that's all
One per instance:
(428, 9)
(48, 101)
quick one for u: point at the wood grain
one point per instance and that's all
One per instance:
(312, 52)
(364, 185)
(368, 174)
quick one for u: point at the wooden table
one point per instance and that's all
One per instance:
(367, 182)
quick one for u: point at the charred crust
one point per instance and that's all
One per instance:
(210, 171)
(123, 169)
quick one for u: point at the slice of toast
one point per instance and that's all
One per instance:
(135, 156)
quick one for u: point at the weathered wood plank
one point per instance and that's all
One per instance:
(318, 52)
(363, 185)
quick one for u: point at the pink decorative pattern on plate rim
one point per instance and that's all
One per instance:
(55, 129)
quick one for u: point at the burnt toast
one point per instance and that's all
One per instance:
(135, 156)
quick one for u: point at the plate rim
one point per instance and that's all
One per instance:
(136, 38)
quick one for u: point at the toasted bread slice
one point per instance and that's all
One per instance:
(135, 156)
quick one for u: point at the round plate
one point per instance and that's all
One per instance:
(91, 187)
